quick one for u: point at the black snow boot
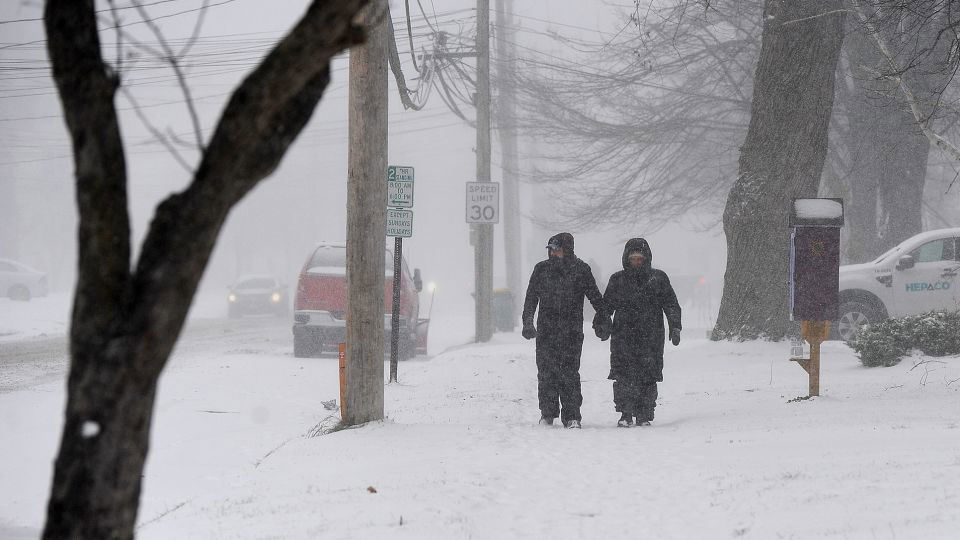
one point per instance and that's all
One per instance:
(572, 424)
(625, 420)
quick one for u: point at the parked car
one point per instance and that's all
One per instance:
(257, 295)
(918, 275)
(320, 305)
(20, 282)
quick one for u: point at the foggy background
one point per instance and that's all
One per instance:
(274, 229)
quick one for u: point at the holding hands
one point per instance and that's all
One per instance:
(602, 326)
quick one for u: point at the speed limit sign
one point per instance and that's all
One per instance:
(483, 202)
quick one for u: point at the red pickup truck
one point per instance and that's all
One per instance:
(320, 307)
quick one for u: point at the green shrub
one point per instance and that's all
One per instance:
(885, 343)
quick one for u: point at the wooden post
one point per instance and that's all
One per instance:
(815, 333)
(483, 249)
(366, 221)
(342, 356)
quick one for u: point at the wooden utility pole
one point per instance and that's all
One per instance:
(507, 130)
(366, 222)
(483, 244)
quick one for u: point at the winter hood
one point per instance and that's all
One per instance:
(641, 245)
(564, 240)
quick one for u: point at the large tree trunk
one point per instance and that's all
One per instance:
(124, 324)
(888, 155)
(903, 171)
(781, 158)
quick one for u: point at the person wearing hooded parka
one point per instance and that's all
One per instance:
(637, 298)
(558, 286)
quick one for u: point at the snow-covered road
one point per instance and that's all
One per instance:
(461, 456)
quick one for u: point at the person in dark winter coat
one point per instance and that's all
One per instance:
(638, 297)
(558, 286)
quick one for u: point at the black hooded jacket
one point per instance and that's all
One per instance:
(558, 286)
(638, 298)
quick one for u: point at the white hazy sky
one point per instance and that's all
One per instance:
(303, 202)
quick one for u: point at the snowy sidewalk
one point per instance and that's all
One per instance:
(461, 456)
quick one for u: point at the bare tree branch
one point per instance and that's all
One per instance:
(196, 30)
(174, 62)
(157, 134)
(896, 74)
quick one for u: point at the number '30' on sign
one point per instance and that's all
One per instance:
(482, 202)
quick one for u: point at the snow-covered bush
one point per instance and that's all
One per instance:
(936, 333)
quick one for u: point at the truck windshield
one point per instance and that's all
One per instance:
(333, 260)
(329, 257)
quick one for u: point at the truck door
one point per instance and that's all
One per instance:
(932, 282)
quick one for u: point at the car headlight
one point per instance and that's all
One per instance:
(232, 297)
(275, 297)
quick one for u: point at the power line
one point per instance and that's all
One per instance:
(97, 11)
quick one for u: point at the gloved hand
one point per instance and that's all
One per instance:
(603, 332)
(529, 331)
(602, 326)
(603, 329)
(675, 336)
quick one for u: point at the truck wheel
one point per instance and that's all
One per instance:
(854, 315)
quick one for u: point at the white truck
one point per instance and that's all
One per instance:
(918, 275)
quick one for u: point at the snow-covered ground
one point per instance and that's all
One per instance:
(41, 317)
(235, 452)
(49, 316)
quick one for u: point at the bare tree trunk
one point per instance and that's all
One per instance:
(125, 324)
(902, 175)
(366, 224)
(507, 130)
(861, 217)
(888, 154)
(781, 158)
(863, 173)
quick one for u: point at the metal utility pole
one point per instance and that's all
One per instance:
(483, 245)
(366, 222)
(507, 130)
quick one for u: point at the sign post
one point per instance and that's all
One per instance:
(814, 276)
(399, 226)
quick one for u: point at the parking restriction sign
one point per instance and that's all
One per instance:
(399, 187)
(399, 223)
